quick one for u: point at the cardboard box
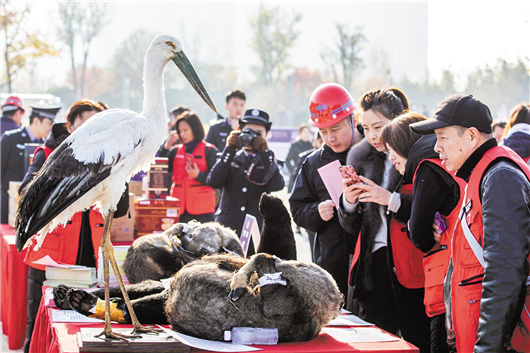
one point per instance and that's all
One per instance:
(12, 202)
(122, 229)
(156, 215)
(157, 179)
(135, 186)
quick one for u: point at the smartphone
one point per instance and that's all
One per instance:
(190, 159)
(440, 222)
(348, 171)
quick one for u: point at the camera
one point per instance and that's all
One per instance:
(247, 136)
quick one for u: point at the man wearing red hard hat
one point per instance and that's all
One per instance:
(12, 113)
(331, 111)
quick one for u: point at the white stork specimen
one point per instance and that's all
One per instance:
(93, 164)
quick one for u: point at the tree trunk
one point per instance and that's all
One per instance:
(74, 76)
(8, 67)
(82, 84)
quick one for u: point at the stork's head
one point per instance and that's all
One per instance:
(172, 49)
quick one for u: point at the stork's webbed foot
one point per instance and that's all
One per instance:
(146, 329)
(109, 334)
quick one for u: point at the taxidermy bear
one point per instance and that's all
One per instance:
(158, 256)
(222, 291)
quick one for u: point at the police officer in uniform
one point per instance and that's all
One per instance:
(13, 146)
(220, 129)
(245, 170)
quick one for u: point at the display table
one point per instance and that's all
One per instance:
(14, 289)
(62, 338)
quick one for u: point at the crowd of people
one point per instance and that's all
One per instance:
(429, 239)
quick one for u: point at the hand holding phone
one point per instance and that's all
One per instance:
(440, 222)
(348, 171)
(190, 159)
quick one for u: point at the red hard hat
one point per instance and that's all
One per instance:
(13, 101)
(330, 103)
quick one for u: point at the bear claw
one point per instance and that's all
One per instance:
(236, 293)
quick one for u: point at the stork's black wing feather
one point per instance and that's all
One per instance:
(60, 182)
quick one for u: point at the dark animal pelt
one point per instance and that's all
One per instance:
(198, 302)
(370, 163)
(154, 257)
(277, 235)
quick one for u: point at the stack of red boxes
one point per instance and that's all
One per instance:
(155, 210)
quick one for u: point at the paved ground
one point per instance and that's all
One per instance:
(5, 344)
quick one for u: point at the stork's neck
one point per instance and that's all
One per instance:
(154, 99)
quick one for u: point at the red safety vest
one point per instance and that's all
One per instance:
(61, 244)
(195, 198)
(408, 260)
(435, 263)
(466, 282)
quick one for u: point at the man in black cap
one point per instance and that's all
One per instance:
(13, 146)
(245, 170)
(486, 280)
(221, 128)
(12, 113)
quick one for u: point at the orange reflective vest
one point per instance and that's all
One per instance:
(408, 260)
(195, 198)
(435, 262)
(466, 281)
(62, 244)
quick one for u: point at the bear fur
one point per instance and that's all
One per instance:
(277, 237)
(221, 291)
(154, 257)
(201, 301)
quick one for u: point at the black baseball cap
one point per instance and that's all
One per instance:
(458, 109)
(256, 116)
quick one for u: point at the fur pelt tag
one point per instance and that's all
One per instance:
(272, 278)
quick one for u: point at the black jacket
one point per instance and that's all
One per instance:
(434, 191)
(218, 133)
(294, 153)
(12, 163)
(519, 140)
(7, 124)
(370, 163)
(238, 195)
(505, 196)
(333, 244)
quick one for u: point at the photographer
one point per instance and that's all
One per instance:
(245, 170)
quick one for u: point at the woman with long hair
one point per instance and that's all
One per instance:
(388, 288)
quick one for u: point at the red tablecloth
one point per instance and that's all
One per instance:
(61, 338)
(14, 289)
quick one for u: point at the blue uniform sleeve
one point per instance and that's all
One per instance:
(220, 171)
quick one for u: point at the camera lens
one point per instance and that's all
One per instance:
(246, 137)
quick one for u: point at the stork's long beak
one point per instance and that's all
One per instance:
(183, 63)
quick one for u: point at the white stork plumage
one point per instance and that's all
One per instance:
(93, 164)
